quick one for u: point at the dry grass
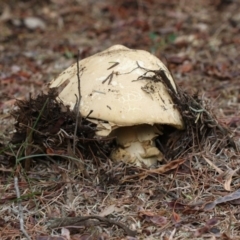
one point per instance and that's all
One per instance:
(50, 188)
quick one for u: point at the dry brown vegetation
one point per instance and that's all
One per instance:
(50, 189)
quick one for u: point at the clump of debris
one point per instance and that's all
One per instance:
(201, 125)
(49, 125)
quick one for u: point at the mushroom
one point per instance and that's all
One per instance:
(123, 106)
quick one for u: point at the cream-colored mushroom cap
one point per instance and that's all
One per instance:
(111, 90)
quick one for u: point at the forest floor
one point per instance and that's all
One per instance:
(199, 41)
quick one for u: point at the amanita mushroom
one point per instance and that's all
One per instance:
(122, 105)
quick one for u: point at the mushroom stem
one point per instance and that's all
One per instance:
(136, 145)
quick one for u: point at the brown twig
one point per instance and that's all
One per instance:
(77, 106)
(84, 221)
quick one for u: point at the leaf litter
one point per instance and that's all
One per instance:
(179, 197)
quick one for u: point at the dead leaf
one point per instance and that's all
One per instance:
(233, 121)
(108, 210)
(65, 233)
(228, 179)
(184, 40)
(230, 197)
(205, 229)
(220, 71)
(153, 217)
(167, 167)
(158, 220)
(177, 205)
(176, 217)
(177, 59)
(163, 169)
(186, 67)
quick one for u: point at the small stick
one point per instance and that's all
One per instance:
(83, 220)
(20, 209)
(77, 106)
